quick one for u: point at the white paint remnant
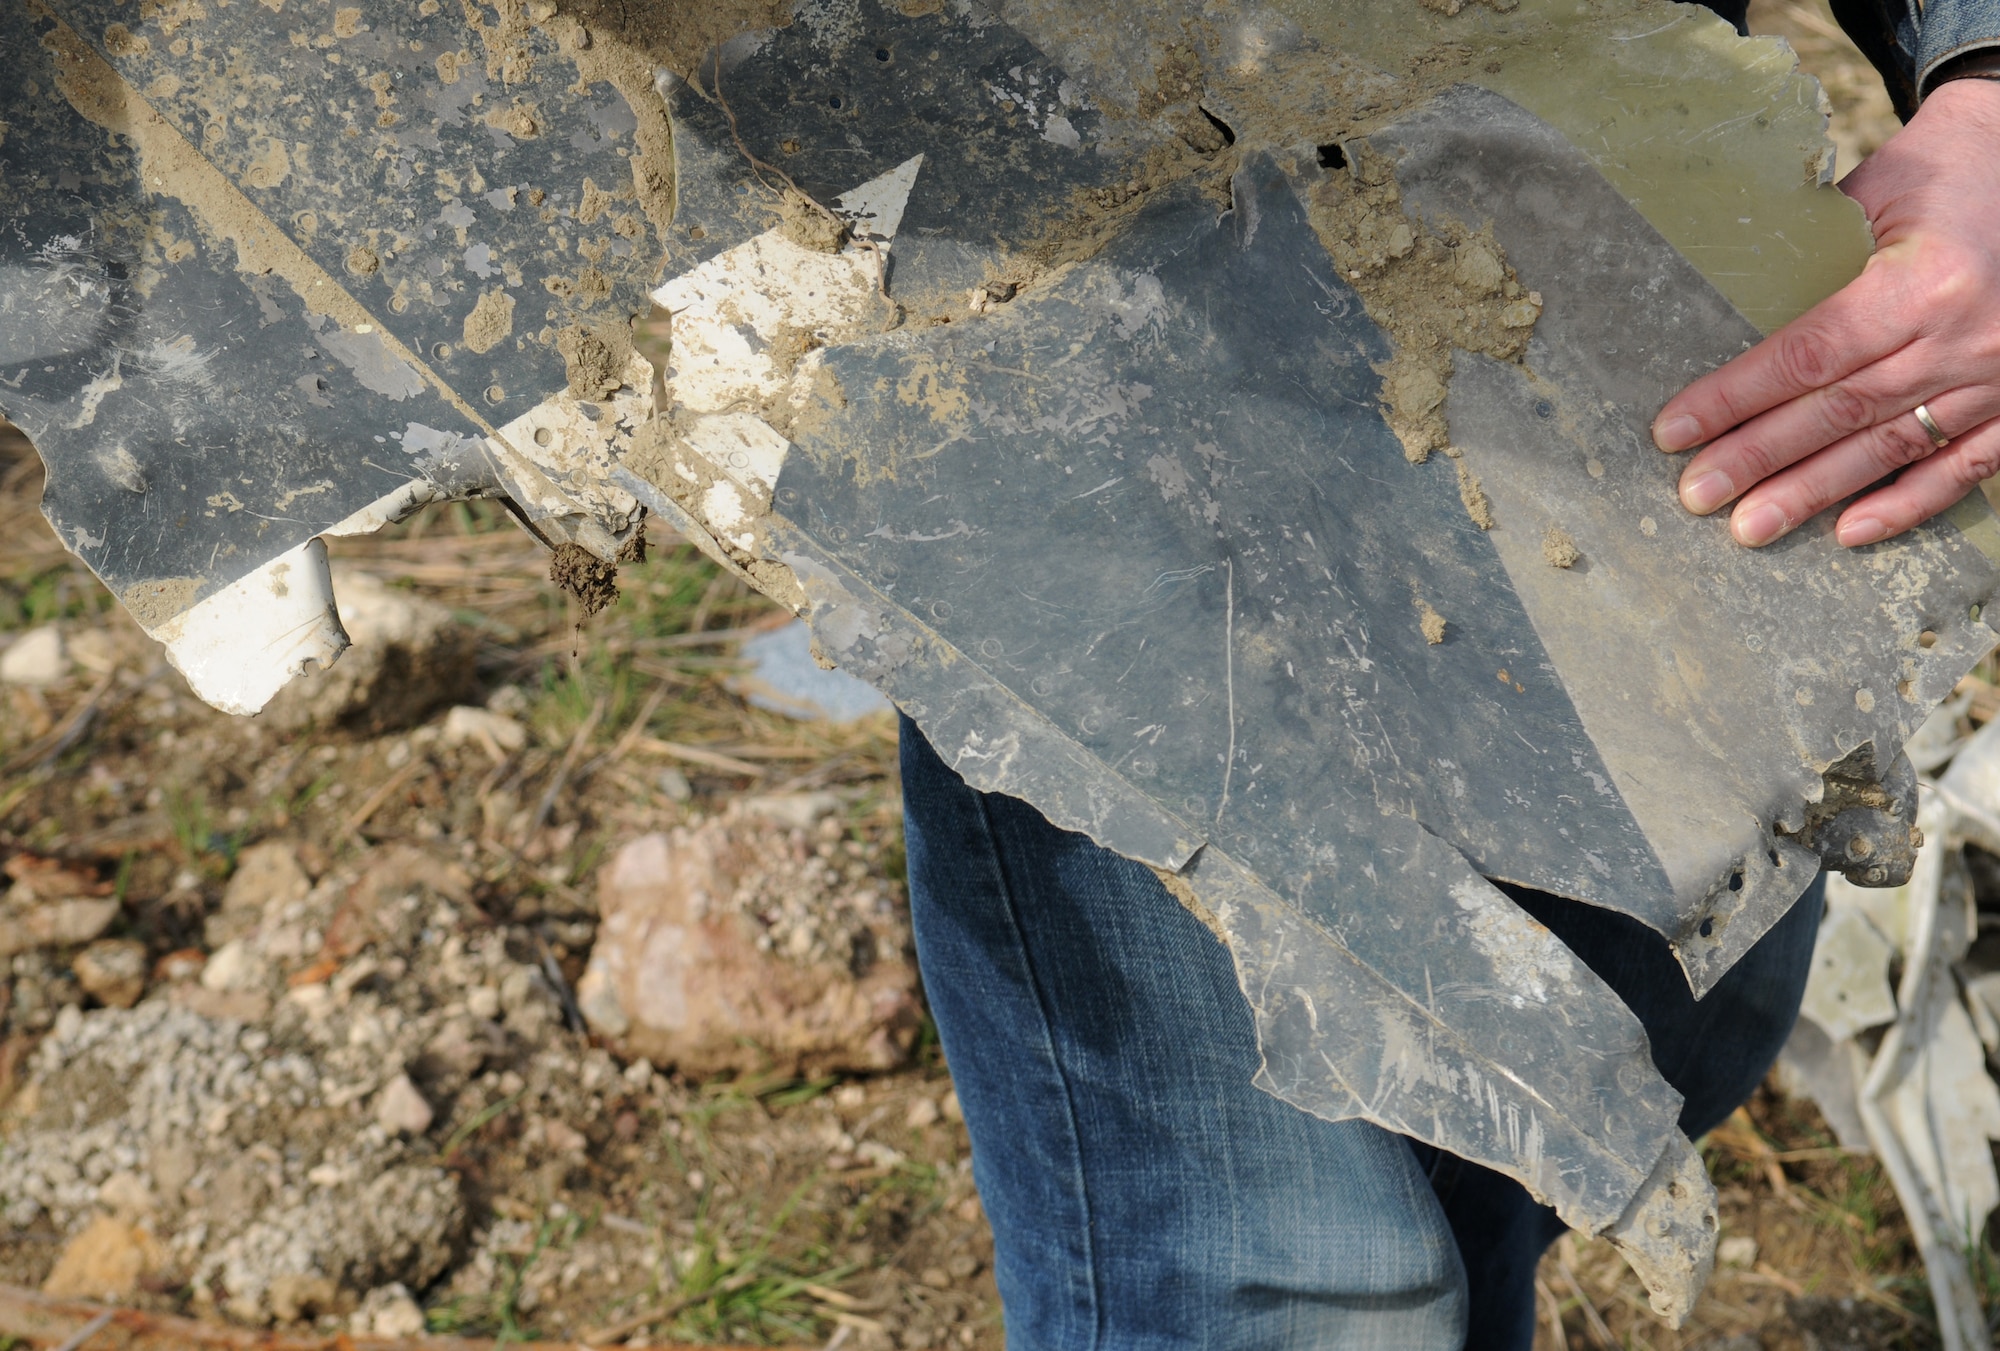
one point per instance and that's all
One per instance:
(1060, 130)
(875, 209)
(732, 317)
(238, 646)
(723, 506)
(744, 447)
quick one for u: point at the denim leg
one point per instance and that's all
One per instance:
(1142, 1193)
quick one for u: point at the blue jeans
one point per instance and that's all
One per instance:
(1144, 1195)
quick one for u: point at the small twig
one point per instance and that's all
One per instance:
(1593, 1321)
(1554, 1306)
(1740, 1135)
(87, 1331)
(479, 1119)
(855, 1320)
(695, 755)
(1883, 1300)
(572, 1015)
(570, 757)
(64, 734)
(826, 1294)
(1779, 1279)
(352, 826)
(633, 731)
(1827, 1152)
(659, 1313)
(637, 727)
(698, 622)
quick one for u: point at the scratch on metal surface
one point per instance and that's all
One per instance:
(1229, 678)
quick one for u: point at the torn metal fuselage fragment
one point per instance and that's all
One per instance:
(1171, 425)
(238, 319)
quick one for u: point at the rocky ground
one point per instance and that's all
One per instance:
(332, 1018)
(292, 1006)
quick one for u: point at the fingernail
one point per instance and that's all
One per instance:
(1677, 433)
(1707, 492)
(1760, 525)
(1867, 530)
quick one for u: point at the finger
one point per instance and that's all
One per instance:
(1831, 341)
(1923, 490)
(1733, 463)
(1774, 507)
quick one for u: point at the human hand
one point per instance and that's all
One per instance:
(1825, 406)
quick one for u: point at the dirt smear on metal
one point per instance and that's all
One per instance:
(602, 52)
(1434, 285)
(678, 34)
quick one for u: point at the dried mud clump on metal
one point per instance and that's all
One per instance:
(594, 357)
(1432, 286)
(584, 575)
(810, 225)
(1558, 549)
(1430, 622)
(490, 321)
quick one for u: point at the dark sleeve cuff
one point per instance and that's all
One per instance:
(1950, 29)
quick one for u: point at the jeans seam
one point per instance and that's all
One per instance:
(1069, 1102)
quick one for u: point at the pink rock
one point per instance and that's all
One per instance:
(729, 946)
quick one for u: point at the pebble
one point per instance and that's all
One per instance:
(94, 650)
(793, 811)
(35, 658)
(467, 725)
(1738, 1250)
(104, 1261)
(113, 970)
(232, 967)
(267, 877)
(564, 1139)
(388, 1311)
(401, 1108)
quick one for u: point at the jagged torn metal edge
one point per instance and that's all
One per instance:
(1340, 1036)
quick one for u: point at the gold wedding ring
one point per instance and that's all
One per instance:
(1931, 429)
